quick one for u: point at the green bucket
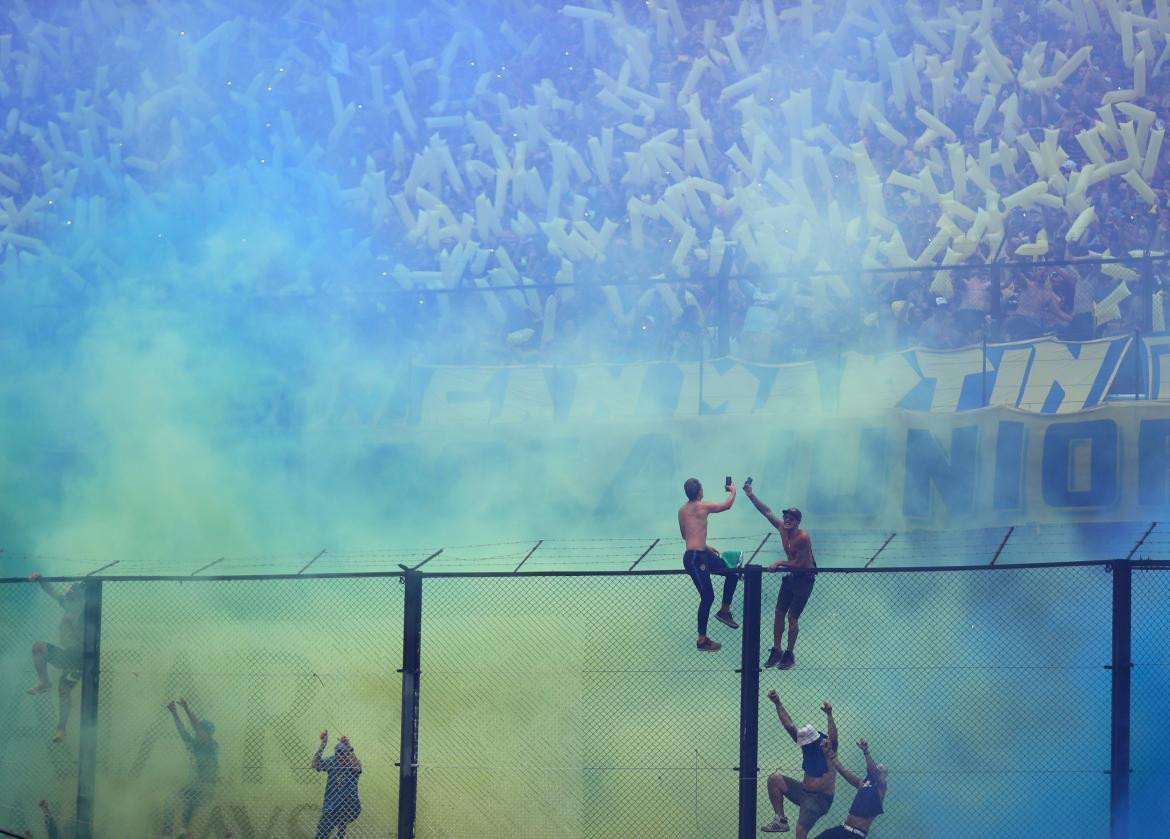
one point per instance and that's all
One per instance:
(731, 559)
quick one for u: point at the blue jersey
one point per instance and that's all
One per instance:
(341, 788)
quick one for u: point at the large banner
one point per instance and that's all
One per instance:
(984, 468)
(1041, 376)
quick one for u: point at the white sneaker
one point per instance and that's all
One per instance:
(777, 825)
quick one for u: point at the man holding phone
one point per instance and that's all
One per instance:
(701, 560)
(797, 585)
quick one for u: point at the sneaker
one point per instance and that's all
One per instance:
(726, 619)
(773, 658)
(787, 660)
(707, 646)
(777, 825)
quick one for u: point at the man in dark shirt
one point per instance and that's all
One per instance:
(814, 793)
(867, 803)
(341, 805)
(204, 752)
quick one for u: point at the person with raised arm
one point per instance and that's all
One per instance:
(701, 560)
(796, 586)
(204, 751)
(341, 805)
(867, 802)
(814, 794)
(67, 657)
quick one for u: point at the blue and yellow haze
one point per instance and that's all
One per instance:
(188, 359)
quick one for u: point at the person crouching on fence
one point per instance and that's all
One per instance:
(341, 804)
(867, 803)
(813, 795)
(701, 560)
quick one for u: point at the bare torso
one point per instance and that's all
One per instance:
(692, 522)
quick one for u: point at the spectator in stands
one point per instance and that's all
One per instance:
(204, 751)
(973, 303)
(867, 802)
(67, 657)
(342, 771)
(1038, 309)
(939, 331)
(814, 794)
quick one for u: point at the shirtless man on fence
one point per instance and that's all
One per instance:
(797, 585)
(701, 560)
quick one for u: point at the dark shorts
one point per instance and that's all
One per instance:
(842, 832)
(68, 661)
(794, 593)
(812, 805)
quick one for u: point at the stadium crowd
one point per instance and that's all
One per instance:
(560, 182)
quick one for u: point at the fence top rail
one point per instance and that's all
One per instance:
(1106, 564)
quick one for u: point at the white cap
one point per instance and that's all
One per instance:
(807, 734)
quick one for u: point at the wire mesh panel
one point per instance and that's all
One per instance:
(574, 707)
(32, 766)
(1150, 707)
(985, 693)
(269, 664)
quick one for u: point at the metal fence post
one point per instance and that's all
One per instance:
(749, 701)
(411, 659)
(1120, 699)
(90, 667)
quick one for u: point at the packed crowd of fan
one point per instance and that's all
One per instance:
(573, 116)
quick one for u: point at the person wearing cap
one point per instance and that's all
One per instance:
(341, 805)
(867, 802)
(204, 751)
(67, 657)
(701, 560)
(814, 794)
(797, 585)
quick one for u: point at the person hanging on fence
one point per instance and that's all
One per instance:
(867, 802)
(341, 805)
(797, 585)
(67, 657)
(701, 560)
(204, 750)
(813, 795)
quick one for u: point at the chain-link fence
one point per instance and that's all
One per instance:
(565, 704)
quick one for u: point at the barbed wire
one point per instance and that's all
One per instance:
(1025, 544)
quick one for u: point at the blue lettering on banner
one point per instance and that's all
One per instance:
(1057, 470)
(927, 465)
(1154, 462)
(649, 458)
(824, 493)
(1010, 440)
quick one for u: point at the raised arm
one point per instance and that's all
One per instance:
(835, 761)
(47, 588)
(828, 709)
(315, 763)
(785, 720)
(196, 728)
(870, 763)
(178, 722)
(725, 504)
(765, 511)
